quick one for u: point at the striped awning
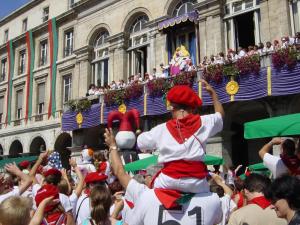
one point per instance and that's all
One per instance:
(191, 16)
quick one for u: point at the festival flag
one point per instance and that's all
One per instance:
(30, 67)
(11, 63)
(53, 46)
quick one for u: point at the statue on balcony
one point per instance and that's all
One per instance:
(180, 60)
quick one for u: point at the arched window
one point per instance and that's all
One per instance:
(183, 7)
(139, 24)
(101, 39)
(138, 42)
(101, 57)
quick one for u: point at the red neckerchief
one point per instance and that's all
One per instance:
(129, 203)
(54, 218)
(102, 167)
(172, 198)
(181, 129)
(292, 163)
(260, 201)
(87, 192)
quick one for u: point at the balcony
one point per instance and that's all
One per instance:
(39, 117)
(17, 122)
(68, 51)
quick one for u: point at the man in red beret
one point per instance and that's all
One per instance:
(83, 211)
(181, 141)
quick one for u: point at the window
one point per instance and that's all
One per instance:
(19, 105)
(43, 53)
(22, 61)
(3, 70)
(24, 25)
(6, 35)
(183, 7)
(41, 98)
(45, 14)
(139, 24)
(1, 108)
(67, 88)
(295, 17)
(72, 2)
(68, 43)
(237, 6)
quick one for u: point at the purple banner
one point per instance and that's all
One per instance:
(252, 86)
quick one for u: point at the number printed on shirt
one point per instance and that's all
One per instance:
(195, 211)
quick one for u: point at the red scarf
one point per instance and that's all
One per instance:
(57, 218)
(292, 163)
(87, 192)
(172, 198)
(182, 129)
(129, 203)
(102, 167)
(260, 201)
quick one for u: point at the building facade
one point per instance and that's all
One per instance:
(103, 41)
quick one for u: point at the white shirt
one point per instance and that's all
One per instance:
(160, 139)
(204, 208)
(73, 200)
(64, 200)
(266, 49)
(227, 207)
(14, 192)
(242, 53)
(84, 212)
(275, 165)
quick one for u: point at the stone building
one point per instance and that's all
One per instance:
(102, 41)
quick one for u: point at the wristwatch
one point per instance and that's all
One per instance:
(113, 148)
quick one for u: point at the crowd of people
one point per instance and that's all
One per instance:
(260, 49)
(178, 190)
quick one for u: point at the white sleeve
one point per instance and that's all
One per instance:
(14, 192)
(275, 165)
(134, 190)
(213, 123)
(147, 140)
(35, 189)
(65, 201)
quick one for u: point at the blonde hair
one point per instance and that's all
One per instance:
(15, 211)
(63, 187)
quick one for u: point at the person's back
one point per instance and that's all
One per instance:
(253, 214)
(204, 208)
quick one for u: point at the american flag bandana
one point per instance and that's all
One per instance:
(54, 161)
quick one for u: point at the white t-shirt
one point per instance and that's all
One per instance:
(73, 200)
(14, 192)
(160, 139)
(204, 208)
(64, 200)
(227, 207)
(275, 165)
(84, 212)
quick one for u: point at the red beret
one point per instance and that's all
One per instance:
(24, 164)
(46, 191)
(95, 177)
(52, 171)
(184, 95)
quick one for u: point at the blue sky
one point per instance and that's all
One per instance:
(7, 6)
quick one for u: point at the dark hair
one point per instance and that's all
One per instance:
(91, 85)
(257, 183)
(53, 179)
(115, 187)
(99, 155)
(286, 187)
(215, 188)
(239, 184)
(288, 146)
(100, 202)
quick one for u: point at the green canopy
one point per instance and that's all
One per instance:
(287, 125)
(257, 168)
(152, 160)
(16, 160)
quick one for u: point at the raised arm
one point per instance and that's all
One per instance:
(39, 213)
(35, 167)
(26, 180)
(268, 147)
(219, 181)
(80, 184)
(115, 159)
(217, 104)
